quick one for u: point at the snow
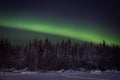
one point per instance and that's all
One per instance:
(96, 72)
(62, 70)
(18, 71)
(61, 75)
(28, 72)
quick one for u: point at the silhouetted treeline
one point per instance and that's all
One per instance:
(44, 55)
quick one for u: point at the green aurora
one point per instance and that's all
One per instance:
(82, 33)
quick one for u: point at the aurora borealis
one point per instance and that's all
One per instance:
(81, 34)
(72, 29)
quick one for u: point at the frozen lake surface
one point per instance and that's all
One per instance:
(59, 75)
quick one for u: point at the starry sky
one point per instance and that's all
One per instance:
(82, 20)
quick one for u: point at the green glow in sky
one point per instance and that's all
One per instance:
(82, 32)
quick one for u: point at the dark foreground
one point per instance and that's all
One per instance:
(67, 75)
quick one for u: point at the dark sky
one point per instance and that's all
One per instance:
(104, 10)
(105, 13)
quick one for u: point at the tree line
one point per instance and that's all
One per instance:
(44, 55)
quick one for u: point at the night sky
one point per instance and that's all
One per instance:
(83, 20)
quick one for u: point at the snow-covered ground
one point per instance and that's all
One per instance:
(61, 75)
